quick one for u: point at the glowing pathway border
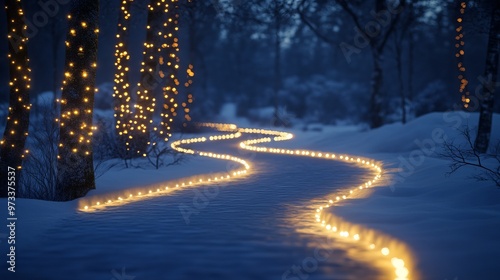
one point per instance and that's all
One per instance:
(387, 247)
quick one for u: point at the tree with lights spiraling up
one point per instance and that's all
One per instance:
(121, 90)
(459, 45)
(159, 77)
(75, 158)
(16, 131)
(155, 55)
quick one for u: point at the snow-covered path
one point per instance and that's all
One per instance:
(252, 228)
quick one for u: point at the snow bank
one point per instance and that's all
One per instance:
(450, 222)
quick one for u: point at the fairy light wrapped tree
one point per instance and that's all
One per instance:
(156, 94)
(169, 68)
(152, 76)
(75, 164)
(16, 131)
(460, 55)
(121, 90)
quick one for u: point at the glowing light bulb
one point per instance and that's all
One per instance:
(385, 251)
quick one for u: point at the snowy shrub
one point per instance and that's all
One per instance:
(395, 110)
(319, 99)
(39, 173)
(161, 154)
(105, 146)
(265, 116)
(434, 98)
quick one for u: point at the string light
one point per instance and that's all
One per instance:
(160, 54)
(170, 63)
(16, 130)
(93, 204)
(158, 69)
(460, 55)
(76, 129)
(386, 247)
(121, 89)
(189, 95)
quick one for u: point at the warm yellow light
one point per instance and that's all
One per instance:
(385, 251)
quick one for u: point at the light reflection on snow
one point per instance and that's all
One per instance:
(398, 257)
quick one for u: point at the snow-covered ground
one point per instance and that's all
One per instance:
(450, 223)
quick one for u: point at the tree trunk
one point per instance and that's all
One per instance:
(375, 99)
(411, 43)
(75, 165)
(490, 73)
(16, 130)
(277, 73)
(121, 89)
(460, 55)
(152, 76)
(399, 66)
(55, 52)
(168, 59)
(411, 47)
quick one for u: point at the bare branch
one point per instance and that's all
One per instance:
(314, 29)
(461, 156)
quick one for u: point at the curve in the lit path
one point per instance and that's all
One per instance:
(398, 257)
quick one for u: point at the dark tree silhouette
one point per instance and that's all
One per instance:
(75, 165)
(377, 45)
(16, 130)
(490, 73)
(373, 34)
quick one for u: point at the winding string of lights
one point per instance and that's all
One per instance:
(459, 45)
(121, 94)
(16, 130)
(400, 270)
(96, 203)
(383, 247)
